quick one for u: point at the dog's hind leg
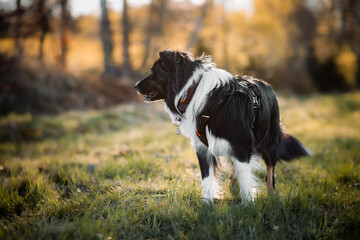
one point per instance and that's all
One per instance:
(270, 161)
(270, 178)
(247, 180)
(207, 164)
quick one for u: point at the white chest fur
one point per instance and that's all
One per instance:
(208, 80)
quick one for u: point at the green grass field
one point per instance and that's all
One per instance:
(122, 173)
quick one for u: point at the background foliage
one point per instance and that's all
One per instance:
(299, 46)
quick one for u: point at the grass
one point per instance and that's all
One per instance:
(122, 173)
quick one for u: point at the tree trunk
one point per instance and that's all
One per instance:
(225, 28)
(154, 27)
(41, 47)
(199, 24)
(350, 30)
(63, 32)
(358, 73)
(149, 34)
(159, 28)
(126, 30)
(106, 38)
(43, 21)
(18, 49)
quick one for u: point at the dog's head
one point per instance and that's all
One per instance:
(165, 75)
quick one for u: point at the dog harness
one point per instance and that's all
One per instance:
(218, 99)
(186, 98)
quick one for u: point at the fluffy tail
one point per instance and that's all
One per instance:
(291, 148)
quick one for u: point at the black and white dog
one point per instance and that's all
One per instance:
(222, 115)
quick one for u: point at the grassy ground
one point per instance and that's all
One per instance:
(122, 173)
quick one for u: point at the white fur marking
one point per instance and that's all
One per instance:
(217, 146)
(210, 187)
(246, 177)
(210, 79)
(308, 151)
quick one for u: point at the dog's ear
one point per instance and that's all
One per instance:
(167, 54)
(167, 58)
(185, 55)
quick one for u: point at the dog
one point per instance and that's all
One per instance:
(223, 116)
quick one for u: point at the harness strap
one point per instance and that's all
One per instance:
(200, 131)
(186, 98)
(221, 98)
(202, 120)
(253, 90)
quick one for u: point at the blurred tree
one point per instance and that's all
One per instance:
(336, 46)
(225, 32)
(198, 25)
(350, 30)
(5, 23)
(17, 29)
(154, 27)
(126, 67)
(289, 43)
(200, 48)
(43, 21)
(64, 24)
(216, 32)
(149, 33)
(106, 38)
(324, 74)
(301, 38)
(267, 40)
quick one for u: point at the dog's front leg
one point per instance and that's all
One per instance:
(207, 164)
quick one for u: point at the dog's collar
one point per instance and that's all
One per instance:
(186, 98)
